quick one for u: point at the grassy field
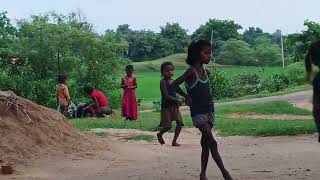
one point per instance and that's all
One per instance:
(276, 107)
(149, 88)
(149, 121)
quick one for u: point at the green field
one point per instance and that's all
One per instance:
(149, 82)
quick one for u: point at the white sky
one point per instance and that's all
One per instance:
(270, 15)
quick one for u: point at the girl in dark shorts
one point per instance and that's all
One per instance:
(313, 57)
(201, 104)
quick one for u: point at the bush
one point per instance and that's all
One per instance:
(247, 84)
(221, 86)
(276, 82)
(296, 73)
(110, 86)
(247, 79)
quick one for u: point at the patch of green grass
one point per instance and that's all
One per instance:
(268, 94)
(141, 137)
(276, 107)
(251, 127)
(147, 121)
(101, 134)
(224, 125)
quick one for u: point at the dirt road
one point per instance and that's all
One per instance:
(247, 158)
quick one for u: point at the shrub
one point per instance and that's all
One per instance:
(276, 82)
(296, 73)
(247, 84)
(220, 85)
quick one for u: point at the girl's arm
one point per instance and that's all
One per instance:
(183, 78)
(164, 92)
(66, 93)
(123, 84)
(96, 103)
(134, 83)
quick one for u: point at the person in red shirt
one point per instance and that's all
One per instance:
(100, 105)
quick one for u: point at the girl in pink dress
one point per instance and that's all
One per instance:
(129, 100)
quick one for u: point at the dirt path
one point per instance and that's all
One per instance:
(248, 158)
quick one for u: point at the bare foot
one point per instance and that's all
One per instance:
(203, 177)
(175, 144)
(160, 139)
(227, 176)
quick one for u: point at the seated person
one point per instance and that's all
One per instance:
(100, 105)
(72, 108)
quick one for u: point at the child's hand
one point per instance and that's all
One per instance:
(188, 101)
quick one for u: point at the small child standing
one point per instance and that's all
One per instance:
(313, 57)
(169, 104)
(201, 104)
(129, 100)
(62, 94)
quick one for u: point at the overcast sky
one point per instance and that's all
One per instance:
(270, 15)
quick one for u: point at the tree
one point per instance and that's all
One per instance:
(267, 53)
(252, 33)
(7, 34)
(236, 52)
(223, 30)
(124, 29)
(176, 35)
(300, 42)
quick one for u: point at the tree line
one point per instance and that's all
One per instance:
(35, 50)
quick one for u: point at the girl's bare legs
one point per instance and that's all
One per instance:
(211, 143)
(316, 112)
(176, 135)
(162, 131)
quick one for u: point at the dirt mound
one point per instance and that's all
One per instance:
(28, 130)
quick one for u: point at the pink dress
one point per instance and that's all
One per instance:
(129, 100)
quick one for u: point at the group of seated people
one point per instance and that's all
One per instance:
(98, 108)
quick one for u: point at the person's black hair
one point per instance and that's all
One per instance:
(88, 89)
(61, 79)
(164, 66)
(129, 67)
(195, 49)
(313, 56)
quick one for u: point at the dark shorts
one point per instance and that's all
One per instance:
(201, 119)
(170, 114)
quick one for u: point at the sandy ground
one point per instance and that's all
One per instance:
(247, 158)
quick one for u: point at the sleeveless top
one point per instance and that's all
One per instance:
(130, 82)
(165, 103)
(201, 96)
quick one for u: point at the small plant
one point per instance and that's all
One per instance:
(101, 134)
(156, 105)
(141, 137)
(276, 82)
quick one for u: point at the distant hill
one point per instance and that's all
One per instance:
(177, 59)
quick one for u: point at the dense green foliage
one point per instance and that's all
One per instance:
(35, 50)
(47, 45)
